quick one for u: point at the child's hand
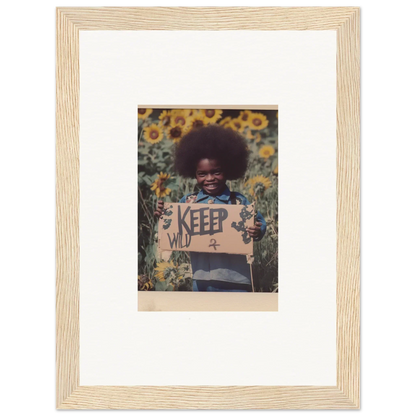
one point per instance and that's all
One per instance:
(254, 231)
(159, 209)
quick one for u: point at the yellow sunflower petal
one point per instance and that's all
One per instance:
(180, 117)
(236, 124)
(153, 134)
(161, 268)
(249, 135)
(196, 121)
(257, 121)
(245, 117)
(225, 121)
(143, 113)
(258, 185)
(175, 132)
(185, 112)
(165, 118)
(211, 116)
(276, 170)
(266, 151)
(159, 185)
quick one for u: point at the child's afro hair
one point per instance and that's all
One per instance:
(212, 142)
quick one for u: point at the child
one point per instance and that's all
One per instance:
(213, 155)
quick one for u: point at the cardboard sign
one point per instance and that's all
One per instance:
(211, 228)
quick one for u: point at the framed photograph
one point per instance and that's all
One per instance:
(195, 248)
(208, 233)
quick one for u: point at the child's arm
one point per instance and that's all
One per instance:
(257, 231)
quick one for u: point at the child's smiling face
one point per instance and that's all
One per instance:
(210, 176)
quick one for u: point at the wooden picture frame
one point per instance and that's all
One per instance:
(69, 393)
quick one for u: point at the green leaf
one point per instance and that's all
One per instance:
(161, 166)
(161, 286)
(147, 180)
(174, 186)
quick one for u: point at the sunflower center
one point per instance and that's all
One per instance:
(176, 132)
(210, 113)
(198, 123)
(256, 121)
(244, 117)
(237, 124)
(180, 120)
(141, 110)
(160, 183)
(154, 134)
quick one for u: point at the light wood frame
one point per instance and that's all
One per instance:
(346, 394)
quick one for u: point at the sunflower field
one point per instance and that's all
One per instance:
(158, 133)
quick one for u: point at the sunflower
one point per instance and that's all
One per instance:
(245, 117)
(196, 121)
(175, 132)
(225, 121)
(258, 185)
(257, 121)
(164, 269)
(153, 134)
(180, 117)
(236, 124)
(144, 283)
(165, 118)
(159, 185)
(143, 113)
(212, 116)
(249, 135)
(186, 112)
(276, 170)
(277, 114)
(167, 271)
(266, 151)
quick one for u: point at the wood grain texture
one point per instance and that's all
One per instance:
(70, 395)
(208, 18)
(207, 397)
(67, 208)
(348, 207)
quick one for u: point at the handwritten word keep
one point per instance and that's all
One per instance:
(201, 221)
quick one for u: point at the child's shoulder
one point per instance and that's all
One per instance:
(240, 198)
